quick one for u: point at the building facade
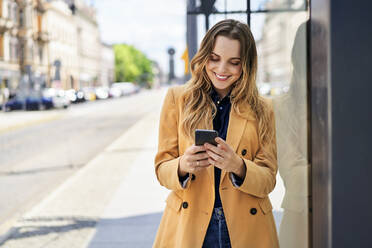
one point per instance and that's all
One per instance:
(107, 65)
(51, 43)
(89, 44)
(9, 53)
(62, 47)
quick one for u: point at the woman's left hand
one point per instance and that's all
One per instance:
(223, 156)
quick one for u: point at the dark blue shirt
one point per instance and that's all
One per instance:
(220, 124)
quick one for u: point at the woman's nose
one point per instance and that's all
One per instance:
(221, 68)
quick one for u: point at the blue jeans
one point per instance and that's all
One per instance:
(217, 234)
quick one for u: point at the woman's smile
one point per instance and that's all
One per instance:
(221, 77)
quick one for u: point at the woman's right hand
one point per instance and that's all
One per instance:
(194, 159)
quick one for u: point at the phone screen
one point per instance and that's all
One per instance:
(203, 136)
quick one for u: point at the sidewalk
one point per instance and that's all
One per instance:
(114, 201)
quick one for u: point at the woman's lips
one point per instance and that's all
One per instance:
(221, 77)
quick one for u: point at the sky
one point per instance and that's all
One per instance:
(153, 26)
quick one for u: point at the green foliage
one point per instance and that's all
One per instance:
(131, 65)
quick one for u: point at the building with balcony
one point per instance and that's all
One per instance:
(62, 53)
(9, 53)
(51, 43)
(89, 44)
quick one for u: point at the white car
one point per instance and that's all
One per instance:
(102, 92)
(126, 88)
(59, 97)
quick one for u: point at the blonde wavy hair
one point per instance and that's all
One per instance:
(198, 105)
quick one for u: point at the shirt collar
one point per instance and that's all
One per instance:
(215, 97)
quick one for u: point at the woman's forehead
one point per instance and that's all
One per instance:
(226, 47)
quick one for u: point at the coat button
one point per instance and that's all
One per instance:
(253, 211)
(185, 205)
(244, 151)
(193, 177)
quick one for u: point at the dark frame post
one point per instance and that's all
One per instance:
(320, 125)
(341, 123)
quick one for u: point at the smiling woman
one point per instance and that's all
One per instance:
(219, 193)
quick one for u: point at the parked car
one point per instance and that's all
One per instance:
(47, 102)
(60, 100)
(89, 94)
(115, 91)
(102, 92)
(126, 88)
(57, 97)
(75, 96)
(14, 103)
(33, 103)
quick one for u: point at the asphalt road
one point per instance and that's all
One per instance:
(35, 159)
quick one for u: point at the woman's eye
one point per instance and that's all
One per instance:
(213, 59)
(235, 63)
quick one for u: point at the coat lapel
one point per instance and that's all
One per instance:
(234, 133)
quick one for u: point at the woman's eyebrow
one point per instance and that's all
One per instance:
(220, 56)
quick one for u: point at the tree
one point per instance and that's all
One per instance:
(131, 65)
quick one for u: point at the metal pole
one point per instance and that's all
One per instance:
(206, 23)
(225, 9)
(191, 30)
(249, 13)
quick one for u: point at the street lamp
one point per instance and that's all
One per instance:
(171, 53)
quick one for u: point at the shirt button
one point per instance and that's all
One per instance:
(185, 205)
(253, 211)
(244, 151)
(218, 102)
(220, 108)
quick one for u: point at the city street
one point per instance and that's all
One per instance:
(36, 158)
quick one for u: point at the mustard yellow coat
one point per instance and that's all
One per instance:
(247, 208)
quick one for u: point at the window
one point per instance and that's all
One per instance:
(279, 28)
(41, 54)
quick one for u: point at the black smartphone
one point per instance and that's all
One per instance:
(205, 136)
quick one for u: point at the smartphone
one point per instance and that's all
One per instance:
(205, 136)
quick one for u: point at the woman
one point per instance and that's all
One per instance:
(219, 194)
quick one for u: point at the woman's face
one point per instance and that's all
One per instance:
(224, 65)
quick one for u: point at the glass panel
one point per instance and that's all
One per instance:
(228, 5)
(281, 46)
(213, 19)
(277, 4)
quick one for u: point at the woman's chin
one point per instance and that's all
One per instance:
(221, 86)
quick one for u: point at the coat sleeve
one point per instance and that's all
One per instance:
(260, 177)
(167, 157)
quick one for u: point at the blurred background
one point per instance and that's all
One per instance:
(81, 87)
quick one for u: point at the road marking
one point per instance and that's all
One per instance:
(31, 123)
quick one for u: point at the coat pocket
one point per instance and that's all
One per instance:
(265, 205)
(174, 201)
